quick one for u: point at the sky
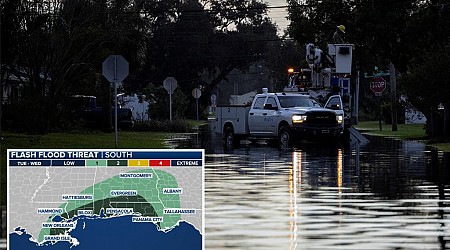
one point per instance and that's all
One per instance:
(278, 15)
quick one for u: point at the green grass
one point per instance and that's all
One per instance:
(126, 139)
(404, 131)
(443, 146)
(195, 123)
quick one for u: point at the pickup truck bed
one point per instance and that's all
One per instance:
(233, 115)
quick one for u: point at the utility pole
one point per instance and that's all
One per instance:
(356, 107)
(2, 218)
(393, 96)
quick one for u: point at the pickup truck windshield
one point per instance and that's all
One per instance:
(297, 101)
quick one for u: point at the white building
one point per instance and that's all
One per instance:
(140, 109)
(412, 114)
(244, 99)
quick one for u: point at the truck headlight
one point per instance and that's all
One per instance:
(339, 119)
(298, 118)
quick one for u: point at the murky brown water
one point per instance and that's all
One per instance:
(386, 194)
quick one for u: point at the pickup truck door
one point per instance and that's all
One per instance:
(255, 116)
(263, 118)
(270, 117)
(335, 103)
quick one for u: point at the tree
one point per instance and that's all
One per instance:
(315, 22)
(60, 49)
(282, 55)
(411, 34)
(159, 108)
(426, 81)
(191, 41)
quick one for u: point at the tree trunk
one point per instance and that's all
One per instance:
(430, 124)
(393, 96)
(446, 124)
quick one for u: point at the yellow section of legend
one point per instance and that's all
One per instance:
(137, 163)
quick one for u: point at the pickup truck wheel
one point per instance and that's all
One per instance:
(285, 137)
(230, 138)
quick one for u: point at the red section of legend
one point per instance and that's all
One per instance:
(159, 163)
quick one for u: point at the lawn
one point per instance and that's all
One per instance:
(126, 139)
(404, 131)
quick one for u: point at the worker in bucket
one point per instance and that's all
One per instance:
(338, 36)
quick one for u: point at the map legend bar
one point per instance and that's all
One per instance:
(159, 163)
(95, 163)
(117, 163)
(103, 158)
(138, 163)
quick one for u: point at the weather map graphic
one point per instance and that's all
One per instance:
(107, 199)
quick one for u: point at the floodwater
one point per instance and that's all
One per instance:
(387, 194)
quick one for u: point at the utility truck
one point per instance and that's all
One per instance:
(328, 74)
(286, 117)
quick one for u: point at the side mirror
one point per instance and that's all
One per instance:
(334, 106)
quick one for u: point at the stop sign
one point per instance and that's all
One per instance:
(196, 93)
(115, 68)
(377, 85)
(170, 84)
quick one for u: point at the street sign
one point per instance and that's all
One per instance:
(213, 100)
(196, 93)
(377, 85)
(115, 68)
(170, 84)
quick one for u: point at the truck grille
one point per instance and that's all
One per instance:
(321, 118)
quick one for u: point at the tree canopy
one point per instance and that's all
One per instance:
(411, 34)
(53, 49)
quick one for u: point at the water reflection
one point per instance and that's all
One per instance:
(388, 194)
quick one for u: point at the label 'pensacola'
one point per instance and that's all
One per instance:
(119, 210)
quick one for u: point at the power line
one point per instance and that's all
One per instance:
(230, 42)
(228, 9)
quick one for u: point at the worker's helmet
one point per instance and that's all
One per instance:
(341, 28)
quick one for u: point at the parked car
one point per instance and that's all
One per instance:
(93, 116)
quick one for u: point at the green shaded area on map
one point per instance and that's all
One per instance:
(137, 203)
(150, 197)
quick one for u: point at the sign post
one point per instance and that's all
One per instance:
(170, 84)
(378, 85)
(196, 93)
(115, 69)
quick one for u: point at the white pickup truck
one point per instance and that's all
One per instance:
(287, 117)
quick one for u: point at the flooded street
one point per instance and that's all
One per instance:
(387, 194)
